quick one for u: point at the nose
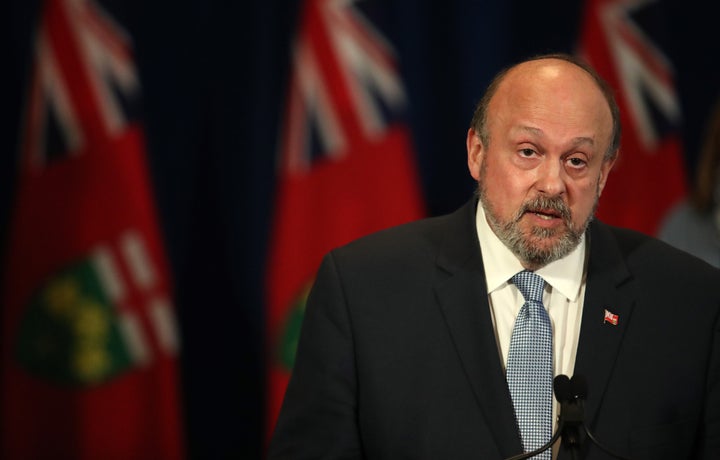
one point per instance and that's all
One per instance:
(550, 178)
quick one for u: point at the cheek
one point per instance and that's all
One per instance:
(506, 187)
(583, 198)
(507, 192)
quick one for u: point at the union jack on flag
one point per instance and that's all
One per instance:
(344, 85)
(645, 74)
(85, 86)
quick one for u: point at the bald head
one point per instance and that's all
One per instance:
(546, 79)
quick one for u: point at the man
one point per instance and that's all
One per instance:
(410, 343)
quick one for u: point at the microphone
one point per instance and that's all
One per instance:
(571, 394)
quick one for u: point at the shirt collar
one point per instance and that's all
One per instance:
(564, 275)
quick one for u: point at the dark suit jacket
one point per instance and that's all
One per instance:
(398, 359)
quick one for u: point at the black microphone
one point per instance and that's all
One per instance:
(571, 394)
(562, 388)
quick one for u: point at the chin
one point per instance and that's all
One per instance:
(544, 245)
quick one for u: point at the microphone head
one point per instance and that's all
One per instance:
(563, 388)
(578, 387)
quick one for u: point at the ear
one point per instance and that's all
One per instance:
(475, 151)
(605, 168)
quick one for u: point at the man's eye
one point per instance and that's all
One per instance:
(527, 152)
(576, 162)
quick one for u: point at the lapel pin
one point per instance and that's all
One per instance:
(611, 318)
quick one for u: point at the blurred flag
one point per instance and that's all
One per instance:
(621, 39)
(346, 167)
(89, 340)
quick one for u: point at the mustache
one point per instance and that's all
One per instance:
(544, 204)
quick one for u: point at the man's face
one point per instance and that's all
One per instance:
(543, 170)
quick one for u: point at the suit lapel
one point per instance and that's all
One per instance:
(609, 287)
(461, 291)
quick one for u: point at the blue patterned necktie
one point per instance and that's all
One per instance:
(529, 369)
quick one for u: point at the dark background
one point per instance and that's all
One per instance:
(214, 77)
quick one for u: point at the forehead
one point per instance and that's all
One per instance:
(553, 95)
(549, 73)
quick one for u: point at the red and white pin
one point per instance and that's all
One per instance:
(611, 318)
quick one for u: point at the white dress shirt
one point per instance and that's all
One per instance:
(563, 298)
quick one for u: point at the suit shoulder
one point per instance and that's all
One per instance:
(408, 237)
(641, 250)
(412, 242)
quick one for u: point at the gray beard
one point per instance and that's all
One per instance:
(527, 248)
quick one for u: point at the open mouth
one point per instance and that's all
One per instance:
(546, 214)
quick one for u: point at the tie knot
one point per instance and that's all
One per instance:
(530, 285)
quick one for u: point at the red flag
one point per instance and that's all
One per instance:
(346, 165)
(89, 357)
(649, 177)
(611, 318)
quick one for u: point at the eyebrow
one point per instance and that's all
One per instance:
(575, 141)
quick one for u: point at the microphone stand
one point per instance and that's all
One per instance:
(570, 421)
(572, 417)
(571, 394)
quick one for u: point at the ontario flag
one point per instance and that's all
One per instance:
(620, 38)
(89, 339)
(345, 169)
